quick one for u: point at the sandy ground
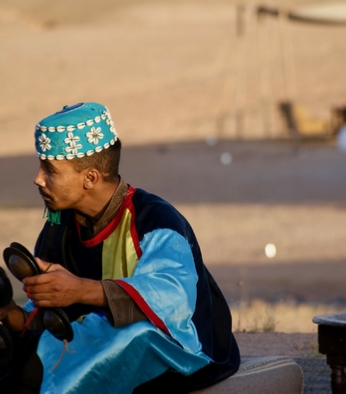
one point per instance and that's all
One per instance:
(175, 72)
(278, 344)
(166, 70)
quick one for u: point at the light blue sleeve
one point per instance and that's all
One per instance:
(165, 280)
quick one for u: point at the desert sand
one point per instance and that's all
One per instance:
(176, 72)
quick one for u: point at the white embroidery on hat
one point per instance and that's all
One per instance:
(73, 147)
(94, 135)
(44, 142)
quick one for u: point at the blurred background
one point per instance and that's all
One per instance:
(232, 111)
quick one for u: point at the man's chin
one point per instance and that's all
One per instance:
(52, 207)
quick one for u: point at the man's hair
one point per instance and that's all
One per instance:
(106, 162)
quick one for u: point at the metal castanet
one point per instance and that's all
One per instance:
(22, 264)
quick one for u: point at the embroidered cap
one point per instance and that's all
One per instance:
(74, 132)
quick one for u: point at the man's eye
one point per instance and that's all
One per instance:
(48, 169)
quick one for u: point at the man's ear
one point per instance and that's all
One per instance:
(91, 178)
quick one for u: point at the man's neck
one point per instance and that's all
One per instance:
(108, 212)
(97, 202)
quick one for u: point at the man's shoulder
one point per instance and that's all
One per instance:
(144, 197)
(153, 212)
(151, 203)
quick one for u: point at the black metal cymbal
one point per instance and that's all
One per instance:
(22, 264)
(20, 247)
(20, 261)
(57, 323)
(6, 291)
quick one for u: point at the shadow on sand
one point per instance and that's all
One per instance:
(259, 172)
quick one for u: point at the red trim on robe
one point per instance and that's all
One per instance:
(112, 225)
(133, 229)
(145, 308)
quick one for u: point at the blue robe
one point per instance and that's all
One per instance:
(150, 250)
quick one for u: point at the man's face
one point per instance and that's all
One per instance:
(60, 185)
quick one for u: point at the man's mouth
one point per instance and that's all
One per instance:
(44, 195)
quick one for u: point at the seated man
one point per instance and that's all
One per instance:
(125, 267)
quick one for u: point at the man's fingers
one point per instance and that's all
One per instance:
(42, 289)
(47, 267)
(42, 298)
(37, 280)
(44, 265)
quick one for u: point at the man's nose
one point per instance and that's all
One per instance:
(39, 178)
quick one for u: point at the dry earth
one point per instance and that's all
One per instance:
(167, 70)
(174, 71)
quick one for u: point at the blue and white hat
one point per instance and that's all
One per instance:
(74, 132)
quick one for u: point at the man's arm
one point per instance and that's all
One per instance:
(122, 307)
(58, 287)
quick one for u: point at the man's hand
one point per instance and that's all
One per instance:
(58, 287)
